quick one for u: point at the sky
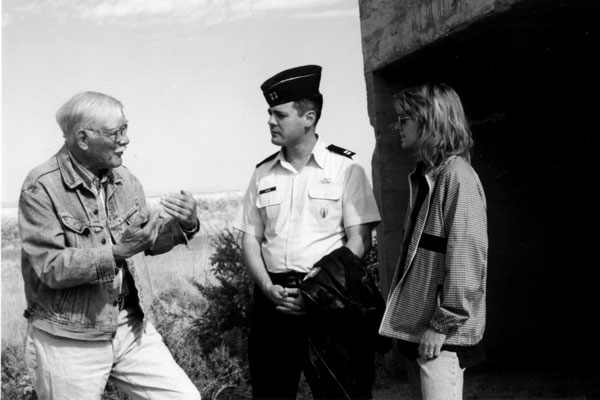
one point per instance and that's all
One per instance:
(188, 73)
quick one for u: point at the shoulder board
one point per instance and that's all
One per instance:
(272, 156)
(338, 150)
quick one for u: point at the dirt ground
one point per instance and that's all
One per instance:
(491, 382)
(510, 384)
(498, 383)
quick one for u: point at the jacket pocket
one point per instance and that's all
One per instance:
(268, 202)
(325, 205)
(131, 215)
(325, 192)
(72, 304)
(267, 199)
(77, 232)
(73, 223)
(118, 224)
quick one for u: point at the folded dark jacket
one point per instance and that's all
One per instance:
(340, 283)
(341, 292)
(345, 308)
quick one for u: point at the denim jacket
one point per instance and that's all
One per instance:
(67, 262)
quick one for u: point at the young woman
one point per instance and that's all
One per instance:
(436, 305)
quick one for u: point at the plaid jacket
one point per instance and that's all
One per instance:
(442, 283)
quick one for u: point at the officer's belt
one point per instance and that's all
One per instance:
(287, 279)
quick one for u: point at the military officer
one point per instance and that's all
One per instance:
(303, 202)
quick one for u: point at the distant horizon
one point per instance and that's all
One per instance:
(209, 191)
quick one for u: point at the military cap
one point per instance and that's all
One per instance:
(292, 84)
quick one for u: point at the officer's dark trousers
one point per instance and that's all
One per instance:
(278, 353)
(278, 350)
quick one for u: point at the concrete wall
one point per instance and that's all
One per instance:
(393, 28)
(527, 75)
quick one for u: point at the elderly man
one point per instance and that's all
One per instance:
(307, 201)
(85, 228)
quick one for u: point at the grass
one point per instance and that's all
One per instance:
(13, 298)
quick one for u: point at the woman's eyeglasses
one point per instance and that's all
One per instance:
(401, 122)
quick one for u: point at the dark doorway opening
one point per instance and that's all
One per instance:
(529, 80)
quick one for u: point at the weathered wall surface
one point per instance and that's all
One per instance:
(393, 28)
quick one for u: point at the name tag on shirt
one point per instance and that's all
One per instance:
(268, 190)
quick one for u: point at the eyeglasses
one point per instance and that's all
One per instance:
(401, 121)
(116, 135)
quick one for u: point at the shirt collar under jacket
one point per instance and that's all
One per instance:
(73, 172)
(317, 154)
(90, 180)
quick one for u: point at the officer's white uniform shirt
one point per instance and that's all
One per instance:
(301, 215)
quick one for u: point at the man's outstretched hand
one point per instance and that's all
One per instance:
(138, 237)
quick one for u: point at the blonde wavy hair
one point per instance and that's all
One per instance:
(442, 126)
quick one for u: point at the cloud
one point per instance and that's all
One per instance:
(208, 12)
(119, 9)
(270, 5)
(12, 9)
(6, 19)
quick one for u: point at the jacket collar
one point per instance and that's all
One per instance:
(433, 173)
(72, 177)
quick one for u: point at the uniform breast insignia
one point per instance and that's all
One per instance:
(341, 151)
(324, 211)
(272, 156)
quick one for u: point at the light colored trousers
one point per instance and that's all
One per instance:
(137, 362)
(440, 378)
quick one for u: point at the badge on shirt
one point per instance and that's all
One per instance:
(268, 190)
(323, 212)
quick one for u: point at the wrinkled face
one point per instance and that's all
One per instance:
(103, 148)
(408, 129)
(287, 127)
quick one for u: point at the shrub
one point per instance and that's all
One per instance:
(226, 322)
(371, 260)
(10, 230)
(16, 383)
(208, 338)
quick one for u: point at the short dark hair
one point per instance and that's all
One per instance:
(313, 103)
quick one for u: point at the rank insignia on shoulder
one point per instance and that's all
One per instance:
(272, 156)
(341, 151)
